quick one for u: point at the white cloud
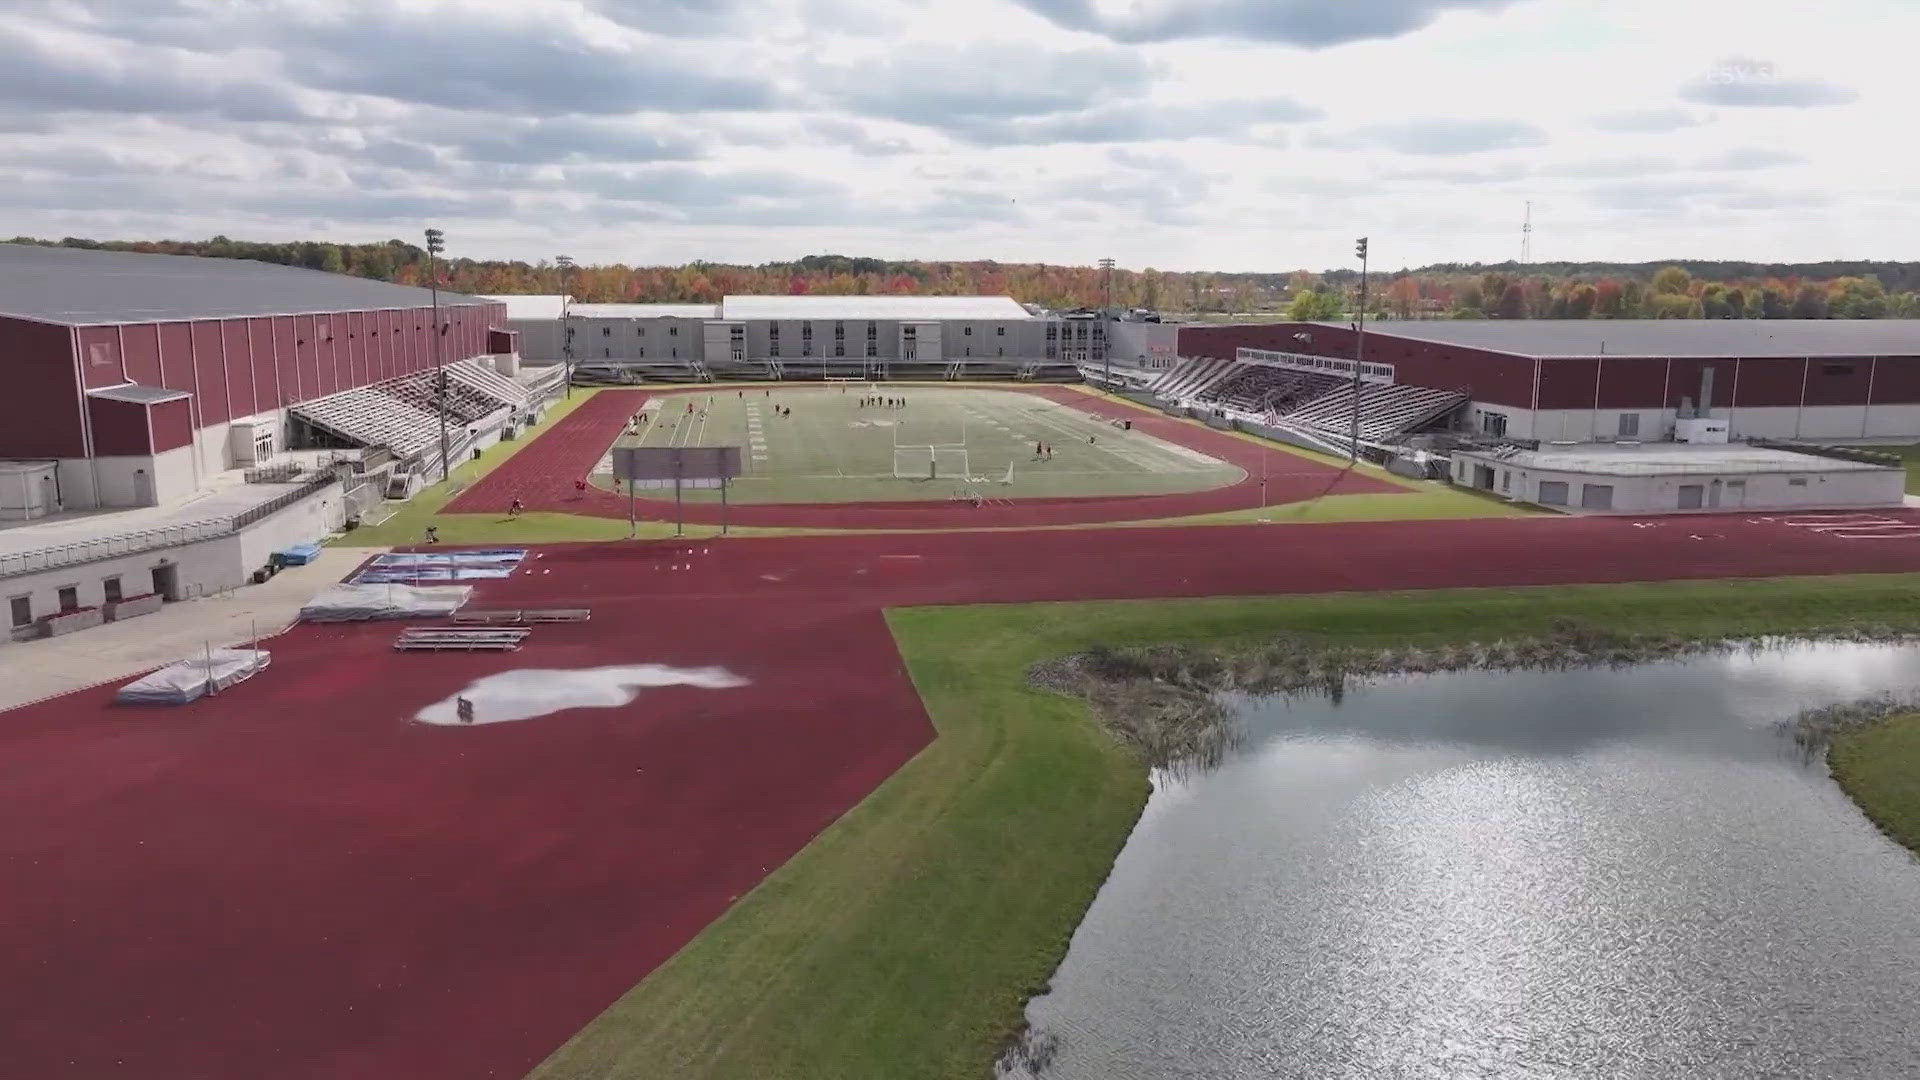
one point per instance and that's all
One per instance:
(1185, 134)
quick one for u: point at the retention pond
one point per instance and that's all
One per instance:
(1600, 872)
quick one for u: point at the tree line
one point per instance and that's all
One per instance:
(1685, 289)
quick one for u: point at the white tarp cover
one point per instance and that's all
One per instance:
(191, 680)
(348, 603)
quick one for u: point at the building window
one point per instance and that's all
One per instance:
(1796, 481)
(1053, 331)
(606, 353)
(1553, 492)
(839, 348)
(1051, 350)
(606, 331)
(1493, 423)
(1629, 425)
(111, 587)
(69, 597)
(968, 331)
(676, 352)
(641, 352)
(1836, 369)
(22, 610)
(999, 331)
(673, 331)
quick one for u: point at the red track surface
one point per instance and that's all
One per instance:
(291, 880)
(542, 476)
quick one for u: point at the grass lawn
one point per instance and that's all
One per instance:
(903, 941)
(1911, 455)
(1880, 768)
(834, 449)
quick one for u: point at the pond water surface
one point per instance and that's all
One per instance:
(1590, 873)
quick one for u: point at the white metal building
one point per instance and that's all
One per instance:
(808, 337)
(1626, 478)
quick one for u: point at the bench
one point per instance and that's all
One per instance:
(426, 638)
(486, 618)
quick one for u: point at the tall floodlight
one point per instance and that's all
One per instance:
(1106, 267)
(565, 263)
(436, 243)
(1359, 344)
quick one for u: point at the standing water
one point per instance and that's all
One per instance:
(1590, 873)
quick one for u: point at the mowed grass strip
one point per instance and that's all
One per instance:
(904, 940)
(1880, 769)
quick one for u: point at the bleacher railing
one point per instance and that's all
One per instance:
(143, 540)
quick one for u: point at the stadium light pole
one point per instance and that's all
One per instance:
(565, 263)
(436, 243)
(1359, 345)
(1106, 265)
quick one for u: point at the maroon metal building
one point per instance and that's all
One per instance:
(117, 356)
(1583, 379)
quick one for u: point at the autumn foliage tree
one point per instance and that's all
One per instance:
(1689, 289)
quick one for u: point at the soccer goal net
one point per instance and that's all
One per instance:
(930, 462)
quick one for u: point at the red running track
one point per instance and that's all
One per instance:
(292, 880)
(542, 476)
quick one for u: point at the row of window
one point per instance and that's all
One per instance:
(20, 608)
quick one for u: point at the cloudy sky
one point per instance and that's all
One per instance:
(1181, 134)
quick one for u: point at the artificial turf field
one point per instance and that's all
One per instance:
(827, 444)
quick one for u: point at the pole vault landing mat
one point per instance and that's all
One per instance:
(412, 567)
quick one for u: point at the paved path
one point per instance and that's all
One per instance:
(31, 670)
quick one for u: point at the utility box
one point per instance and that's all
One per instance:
(251, 442)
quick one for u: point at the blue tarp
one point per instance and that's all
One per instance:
(298, 554)
(477, 565)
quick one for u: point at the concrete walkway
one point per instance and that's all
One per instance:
(33, 670)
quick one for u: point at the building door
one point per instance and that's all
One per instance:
(142, 488)
(1691, 495)
(166, 581)
(1736, 493)
(1713, 495)
(1483, 477)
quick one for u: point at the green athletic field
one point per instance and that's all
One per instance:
(943, 441)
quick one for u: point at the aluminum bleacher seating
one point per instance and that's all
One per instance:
(1387, 412)
(403, 413)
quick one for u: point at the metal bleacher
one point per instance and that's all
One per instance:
(1388, 412)
(1188, 379)
(403, 413)
(369, 417)
(1263, 388)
